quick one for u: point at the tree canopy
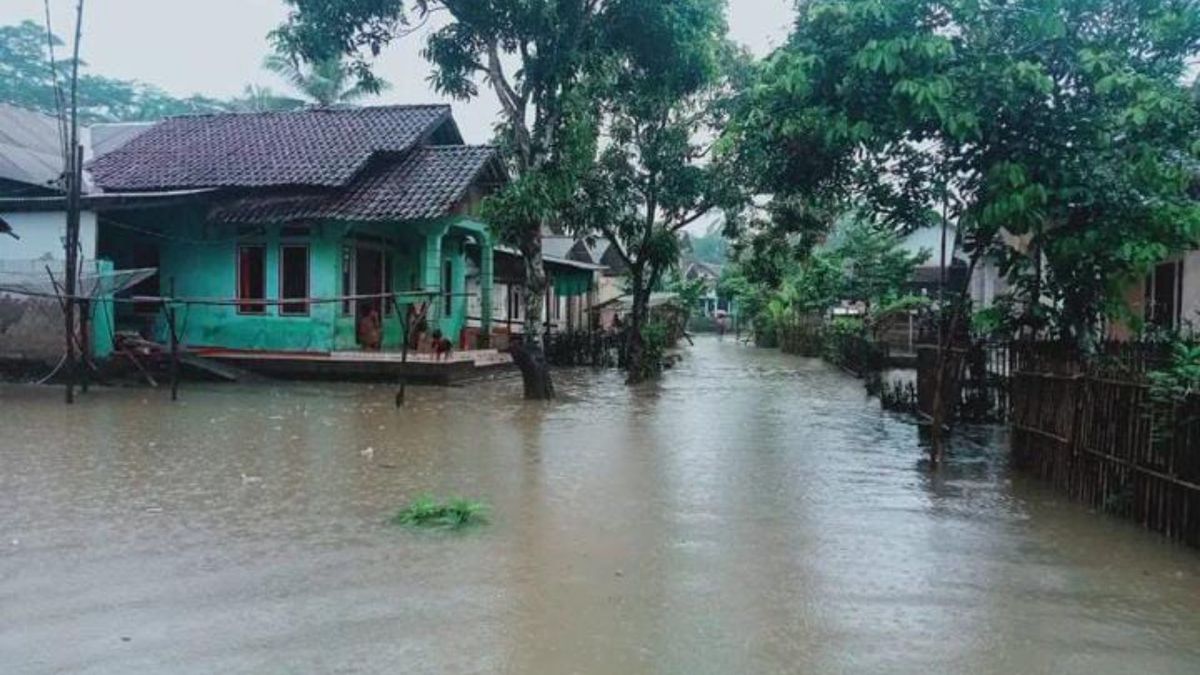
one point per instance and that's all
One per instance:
(663, 101)
(325, 83)
(27, 80)
(1064, 127)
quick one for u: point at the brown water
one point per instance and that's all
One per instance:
(751, 513)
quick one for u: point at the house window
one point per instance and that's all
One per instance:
(514, 302)
(1164, 293)
(448, 288)
(293, 279)
(252, 279)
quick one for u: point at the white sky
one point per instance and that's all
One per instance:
(215, 47)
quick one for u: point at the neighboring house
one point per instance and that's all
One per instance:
(292, 224)
(570, 293)
(31, 165)
(32, 254)
(612, 282)
(711, 302)
(661, 306)
(985, 284)
(576, 282)
(1168, 298)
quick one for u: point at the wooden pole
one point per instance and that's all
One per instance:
(74, 188)
(409, 327)
(170, 310)
(85, 342)
(71, 242)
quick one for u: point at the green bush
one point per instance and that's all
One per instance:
(454, 514)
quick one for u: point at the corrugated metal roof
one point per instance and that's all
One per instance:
(109, 137)
(30, 147)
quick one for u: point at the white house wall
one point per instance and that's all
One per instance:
(41, 236)
(986, 284)
(31, 328)
(1191, 289)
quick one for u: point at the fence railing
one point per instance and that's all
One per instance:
(977, 383)
(803, 337)
(1090, 427)
(597, 349)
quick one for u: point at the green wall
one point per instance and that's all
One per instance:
(200, 259)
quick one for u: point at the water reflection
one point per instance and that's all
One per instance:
(752, 512)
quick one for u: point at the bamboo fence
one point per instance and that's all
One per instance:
(1091, 429)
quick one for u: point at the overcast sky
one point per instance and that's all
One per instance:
(216, 47)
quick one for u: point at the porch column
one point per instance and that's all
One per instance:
(487, 273)
(431, 272)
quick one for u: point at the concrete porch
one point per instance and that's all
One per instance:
(359, 366)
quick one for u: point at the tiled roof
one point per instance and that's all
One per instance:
(318, 147)
(427, 183)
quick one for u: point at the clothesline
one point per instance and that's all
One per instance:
(234, 302)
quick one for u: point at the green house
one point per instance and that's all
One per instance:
(283, 229)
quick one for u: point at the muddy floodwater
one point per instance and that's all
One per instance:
(751, 513)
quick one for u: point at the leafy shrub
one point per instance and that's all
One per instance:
(454, 514)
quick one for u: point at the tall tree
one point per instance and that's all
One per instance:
(1061, 122)
(539, 59)
(666, 94)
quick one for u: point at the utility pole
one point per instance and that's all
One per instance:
(74, 179)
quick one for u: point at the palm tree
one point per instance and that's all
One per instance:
(262, 99)
(323, 83)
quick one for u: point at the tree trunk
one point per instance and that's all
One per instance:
(635, 342)
(530, 354)
(937, 449)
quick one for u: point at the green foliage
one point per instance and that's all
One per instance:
(712, 248)
(1171, 387)
(847, 326)
(427, 512)
(861, 262)
(1181, 379)
(898, 306)
(27, 80)
(1066, 122)
(877, 267)
(325, 82)
(663, 84)
(655, 342)
(689, 292)
(557, 70)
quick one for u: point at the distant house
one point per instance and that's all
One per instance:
(31, 165)
(927, 279)
(32, 251)
(570, 294)
(712, 303)
(292, 226)
(1168, 298)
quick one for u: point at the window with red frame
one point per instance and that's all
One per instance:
(252, 279)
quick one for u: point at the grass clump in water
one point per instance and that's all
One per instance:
(453, 514)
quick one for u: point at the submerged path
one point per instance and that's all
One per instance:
(751, 513)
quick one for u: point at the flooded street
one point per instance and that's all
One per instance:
(751, 513)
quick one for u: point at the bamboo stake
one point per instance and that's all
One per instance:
(170, 310)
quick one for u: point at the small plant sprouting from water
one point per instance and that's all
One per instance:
(453, 514)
